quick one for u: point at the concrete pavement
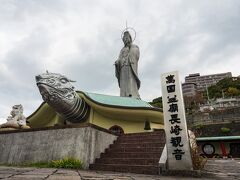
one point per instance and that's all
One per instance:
(217, 169)
(224, 168)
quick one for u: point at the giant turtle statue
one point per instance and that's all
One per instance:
(63, 105)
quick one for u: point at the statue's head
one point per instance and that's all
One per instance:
(55, 88)
(16, 110)
(127, 39)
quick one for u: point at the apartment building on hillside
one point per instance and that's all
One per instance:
(196, 82)
(189, 89)
(206, 80)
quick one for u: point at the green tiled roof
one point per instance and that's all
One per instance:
(116, 100)
(218, 138)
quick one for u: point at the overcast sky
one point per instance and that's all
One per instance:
(82, 40)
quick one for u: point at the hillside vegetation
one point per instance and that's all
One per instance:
(228, 87)
(157, 102)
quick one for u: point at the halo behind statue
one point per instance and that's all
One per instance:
(129, 29)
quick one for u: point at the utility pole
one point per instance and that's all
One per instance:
(207, 93)
(222, 94)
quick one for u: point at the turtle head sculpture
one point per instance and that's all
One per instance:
(55, 88)
(58, 92)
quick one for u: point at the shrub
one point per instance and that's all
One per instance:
(225, 130)
(199, 126)
(69, 163)
(198, 161)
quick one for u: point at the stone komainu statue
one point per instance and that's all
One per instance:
(126, 68)
(59, 93)
(17, 120)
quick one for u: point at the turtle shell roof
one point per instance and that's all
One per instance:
(116, 100)
(113, 107)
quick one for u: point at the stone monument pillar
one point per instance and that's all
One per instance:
(177, 142)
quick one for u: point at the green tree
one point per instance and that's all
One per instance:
(232, 91)
(214, 92)
(157, 102)
(229, 86)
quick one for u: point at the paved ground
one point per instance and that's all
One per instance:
(224, 168)
(221, 169)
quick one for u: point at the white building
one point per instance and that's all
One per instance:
(189, 89)
(207, 80)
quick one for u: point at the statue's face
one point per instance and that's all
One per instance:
(17, 109)
(127, 39)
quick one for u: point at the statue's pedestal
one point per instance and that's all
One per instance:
(12, 126)
(7, 129)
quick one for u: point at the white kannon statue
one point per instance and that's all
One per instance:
(126, 68)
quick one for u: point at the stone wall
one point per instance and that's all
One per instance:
(84, 143)
(213, 130)
(227, 115)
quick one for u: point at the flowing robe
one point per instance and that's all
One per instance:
(126, 69)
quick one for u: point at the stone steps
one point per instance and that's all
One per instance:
(140, 140)
(137, 145)
(135, 149)
(130, 161)
(139, 137)
(136, 153)
(130, 155)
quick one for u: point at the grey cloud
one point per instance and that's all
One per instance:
(22, 62)
(27, 56)
(93, 67)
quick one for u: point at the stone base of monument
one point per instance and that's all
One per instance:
(12, 126)
(164, 171)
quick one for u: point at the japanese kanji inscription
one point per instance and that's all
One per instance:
(178, 149)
